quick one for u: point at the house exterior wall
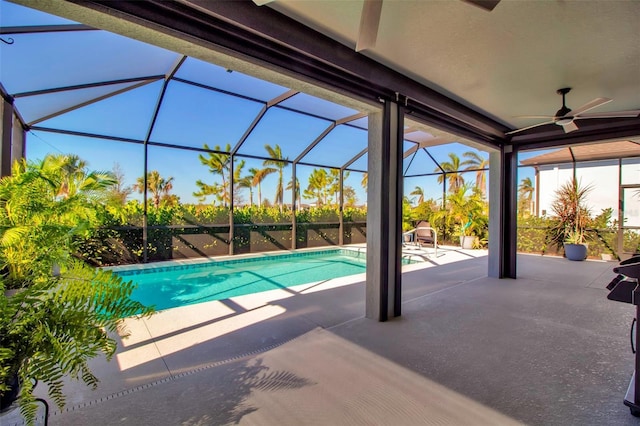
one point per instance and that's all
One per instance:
(603, 176)
(630, 175)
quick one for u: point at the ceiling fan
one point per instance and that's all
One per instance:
(566, 117)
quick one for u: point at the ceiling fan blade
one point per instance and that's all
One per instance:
(549, 117)
(262, 2)
(528, 127)
(589, 106)
(614, 114)
(569, 127)
(369, 22)
(487, 5)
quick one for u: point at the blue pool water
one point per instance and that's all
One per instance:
(179, 285)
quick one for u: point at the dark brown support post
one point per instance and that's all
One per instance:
(384, 216)
(341, 209)
(7, 133)
(231, 222)
(294, 206)
(503, 234)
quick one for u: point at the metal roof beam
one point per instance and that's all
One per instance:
(149, 78)
(247, 132)
(315, 142)
(596, 130)
(354, 159)
(273, 102)
(353, 117)
(89, 102)
(286, 95)
(33, 29)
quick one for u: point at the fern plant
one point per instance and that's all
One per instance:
(63, 312)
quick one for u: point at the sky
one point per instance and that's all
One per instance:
(189, 116)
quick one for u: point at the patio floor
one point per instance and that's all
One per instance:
(545, 349)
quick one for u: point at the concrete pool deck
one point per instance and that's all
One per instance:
(547, 348)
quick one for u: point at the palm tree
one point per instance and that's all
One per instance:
(258, 177)
(333, 183)
(318, 186)
(247, 182)
(218, 164)
(365, 180)
(279, 162)
(420, 193)
(68, 173)
(478, 163)
(526, 191)
(158, 186)
(237, 173)
(290, 187)
(452, 173)
(118, 193)
(350, 196)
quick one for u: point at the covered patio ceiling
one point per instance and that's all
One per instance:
(503, 63)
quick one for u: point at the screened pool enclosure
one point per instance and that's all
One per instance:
(212, 161)
(205, 156)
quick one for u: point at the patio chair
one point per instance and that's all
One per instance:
(426, 235)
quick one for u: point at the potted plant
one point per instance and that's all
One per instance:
(60, 312)
(571, 218)
(574, 245)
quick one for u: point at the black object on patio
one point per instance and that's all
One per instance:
(625, 288)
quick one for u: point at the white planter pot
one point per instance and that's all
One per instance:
(466, 241)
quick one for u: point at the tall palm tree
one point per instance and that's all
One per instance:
(69, 175)
(251, 182)
(333, 183)
(279, 162)
(258, 177)
(318, 186)
(247, 182)
(290, 188)
(237, 177)
(526, 191)
(350, 196)
(419, 192)
(478, 163)
(452, 169)
(118, 193)
(218, 164)
(158, 186)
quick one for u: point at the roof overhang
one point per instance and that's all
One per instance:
(587, 152)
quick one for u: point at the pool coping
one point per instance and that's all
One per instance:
(240, 258)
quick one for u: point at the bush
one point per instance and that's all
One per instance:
(63, 309)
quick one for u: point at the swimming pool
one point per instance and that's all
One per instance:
(184, 284)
